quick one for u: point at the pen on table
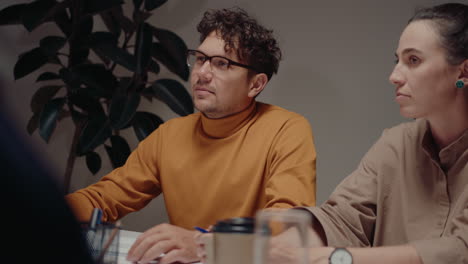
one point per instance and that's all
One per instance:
(201, 229)
(95, 220)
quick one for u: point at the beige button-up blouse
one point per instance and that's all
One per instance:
(404, 192)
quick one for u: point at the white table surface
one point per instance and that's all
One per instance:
(126, 239)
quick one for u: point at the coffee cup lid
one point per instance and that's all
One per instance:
(235, 225)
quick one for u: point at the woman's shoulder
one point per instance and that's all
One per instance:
(404, 135)
(410, 129)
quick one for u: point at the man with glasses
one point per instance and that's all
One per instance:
(230, 159)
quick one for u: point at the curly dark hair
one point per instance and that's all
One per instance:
(255, 45)
(451, 21)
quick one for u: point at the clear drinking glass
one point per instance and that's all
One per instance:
(103, 241)
(281, 236)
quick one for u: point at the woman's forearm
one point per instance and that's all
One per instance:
(404, 254)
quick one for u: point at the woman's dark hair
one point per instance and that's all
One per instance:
(255, 44)
(451, 22)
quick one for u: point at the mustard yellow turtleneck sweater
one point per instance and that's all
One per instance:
(211, 169)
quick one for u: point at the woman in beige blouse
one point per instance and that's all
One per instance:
(407, 202)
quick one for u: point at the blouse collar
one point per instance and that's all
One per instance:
(448, 155)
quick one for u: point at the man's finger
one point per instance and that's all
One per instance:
(143, 244)
(176, 255)
(163, 247)
(201, 251)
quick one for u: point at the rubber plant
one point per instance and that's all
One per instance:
(99, 77)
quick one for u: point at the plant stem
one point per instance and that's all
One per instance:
(72, 156)
(75, 13)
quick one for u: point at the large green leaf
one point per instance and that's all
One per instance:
(85, 28)
(111, 19)
(93, 161)
(144, 123)
(48, 118)
(51, 44)
(86, 102)
(79, 51)
(126, 23)
(123, 108)
(174, 94)
(153, 4)
(33, 122)
(11, 15)
(95, 133)
(115, 20)
(64, 22)
(99, 80)
(153, 67)
(94, 7)
(39, 12)
(29, 62)
(148, 93)
(42, 96)
(78, 117)
(171, 51)
(118, 152)
(143, 47)
(70, 79)
(101, 38)
(116, 54)
(47, 76)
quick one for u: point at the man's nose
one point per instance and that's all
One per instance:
(204, 72)
(206, 66)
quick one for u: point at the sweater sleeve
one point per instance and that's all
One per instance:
(292, 170)
(124, 190)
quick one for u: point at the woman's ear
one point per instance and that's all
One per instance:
(257, 84)
(464, 71)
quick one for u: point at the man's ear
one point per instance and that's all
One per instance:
(257, 84)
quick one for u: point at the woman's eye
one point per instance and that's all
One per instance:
(414, 60)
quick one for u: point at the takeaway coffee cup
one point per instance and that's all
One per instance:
(231, 242)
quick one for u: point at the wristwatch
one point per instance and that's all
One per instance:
(340, 256)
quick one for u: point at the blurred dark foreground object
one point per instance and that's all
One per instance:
(37, 225)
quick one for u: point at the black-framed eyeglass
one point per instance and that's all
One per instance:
(196, 59)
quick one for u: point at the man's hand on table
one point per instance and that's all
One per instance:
(176, 243)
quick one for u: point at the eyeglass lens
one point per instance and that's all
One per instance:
(196, 60)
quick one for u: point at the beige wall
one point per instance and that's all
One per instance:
(337, 58)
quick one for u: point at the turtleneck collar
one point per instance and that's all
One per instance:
(226, 126)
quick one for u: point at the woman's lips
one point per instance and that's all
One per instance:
(401, 97)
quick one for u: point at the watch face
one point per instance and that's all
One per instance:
(341, 256)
